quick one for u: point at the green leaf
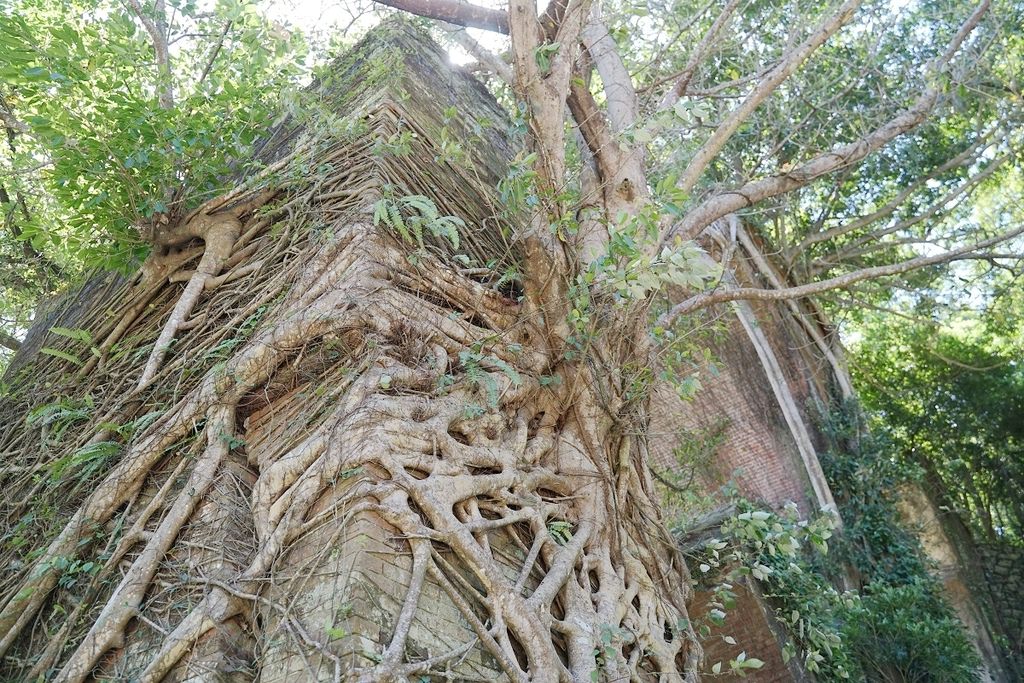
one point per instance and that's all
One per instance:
(509, 371)
(560, 531)
(90, 454)
(543, 54)
(62, 354)
(80, 335)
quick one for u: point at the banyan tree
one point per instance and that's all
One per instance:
(316, 436)
(380, 410)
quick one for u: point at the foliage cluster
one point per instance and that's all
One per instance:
(901, 628)
(951, 405)
(103, 144)
(118, 158)
(892, 624)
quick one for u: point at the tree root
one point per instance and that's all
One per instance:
(245, 370)
(218, 606)
(522, 502)
(219, 234)
(108, 629)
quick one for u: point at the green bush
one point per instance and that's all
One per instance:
(906, 633)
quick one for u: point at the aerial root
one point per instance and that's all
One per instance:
(224, 602)
(247, 369)
(108, 630)
(431, 663)
(215, 608)
(486, 477)
(135, 534)
(56, 642)
(396, 648)
(487, 638)
(125, 321)
(219, 232)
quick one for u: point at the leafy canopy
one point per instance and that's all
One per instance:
(81, 80)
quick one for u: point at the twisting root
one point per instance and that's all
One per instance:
(396, 649)
(217, 607)
(108, 629)
(250, 367)
(219, 233)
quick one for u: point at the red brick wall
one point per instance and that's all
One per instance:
(758, 453)
(748, 625)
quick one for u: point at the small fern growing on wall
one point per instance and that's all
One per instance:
(412, 215)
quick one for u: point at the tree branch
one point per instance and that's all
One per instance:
(454, 12)
(703, 300)
(872, 241)
(697, 56)
(9, 342)
(966, 157)
(214, 52)
(12, 123)
(618, 86)
(485, 57)
(157, 30)
(789, 64)
(594, 128)
(729, 201)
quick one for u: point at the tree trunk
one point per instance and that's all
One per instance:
(350, 455)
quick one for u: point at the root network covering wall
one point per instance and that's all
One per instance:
(331, 597)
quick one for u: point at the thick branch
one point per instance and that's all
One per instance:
(679, 88)
(157, 30)
(729, 201)
(12, 123)
(485, 57)
(618, 86)
(966, 157)
(789, 64)
(621, 173)
(594, 129)
(9, 342)
(873, 240)
(454, 12)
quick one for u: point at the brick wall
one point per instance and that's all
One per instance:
(345, 580)
(984, 585)
(1003, 566)
(758, 455)
(750, 625)
(758, 452)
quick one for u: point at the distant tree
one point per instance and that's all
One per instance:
(952, 404)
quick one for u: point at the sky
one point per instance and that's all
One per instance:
(322, 19)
